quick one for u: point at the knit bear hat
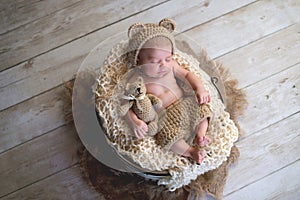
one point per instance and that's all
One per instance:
(139, 34)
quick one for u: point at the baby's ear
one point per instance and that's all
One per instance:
(135, 28)
(169, 24)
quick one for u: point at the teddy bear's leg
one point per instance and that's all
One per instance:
(153, 126)
(156, 102)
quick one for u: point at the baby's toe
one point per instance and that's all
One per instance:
(205, 141)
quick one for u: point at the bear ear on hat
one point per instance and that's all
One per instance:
(135, 28)
(168, 23)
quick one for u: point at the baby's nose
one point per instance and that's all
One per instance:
(162, 63)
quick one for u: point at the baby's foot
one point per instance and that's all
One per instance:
(197, 154)
(202, 141)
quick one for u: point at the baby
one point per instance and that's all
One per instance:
(153, 48)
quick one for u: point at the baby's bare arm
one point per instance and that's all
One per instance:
(196, 83)
(139, 127)
(124, 108)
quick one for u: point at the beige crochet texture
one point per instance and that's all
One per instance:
(147, 153)
(143, 105)
(180, 121)
(139, 34)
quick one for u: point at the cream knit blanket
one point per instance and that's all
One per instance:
(147, 153)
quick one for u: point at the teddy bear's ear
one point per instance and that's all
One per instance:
(140, 79)
(127, 86)
(169, 24)
(135, 28)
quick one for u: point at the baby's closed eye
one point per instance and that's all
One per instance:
(155, 61)
(169, 59)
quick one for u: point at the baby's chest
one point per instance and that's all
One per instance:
(161, 85)
(158, 89)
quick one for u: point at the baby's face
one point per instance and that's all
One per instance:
(155, 62)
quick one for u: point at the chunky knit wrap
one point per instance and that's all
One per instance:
(147, 153)
(180, 121)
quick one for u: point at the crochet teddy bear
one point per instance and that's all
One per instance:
(143, 105)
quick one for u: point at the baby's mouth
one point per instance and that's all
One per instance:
(162, 72)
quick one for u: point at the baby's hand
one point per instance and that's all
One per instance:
(140, 129)
(202, 95)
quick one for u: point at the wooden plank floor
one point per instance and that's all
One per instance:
(43, 43)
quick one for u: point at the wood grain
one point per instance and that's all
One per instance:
(37, 159)
(291, 51)
(66, 184)
(62, 27)
(16, 13)
(245, 25)
(282, 184)
(47, 71)
(265, 57)
(272, 100)
(43, 44)
(32, 118)
(265, 152)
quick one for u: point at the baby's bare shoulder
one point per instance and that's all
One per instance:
(179, 71)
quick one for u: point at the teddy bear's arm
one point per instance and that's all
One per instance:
(156, 102)
(124, 108)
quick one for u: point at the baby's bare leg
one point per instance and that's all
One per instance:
(182, 148)
(201, 130)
